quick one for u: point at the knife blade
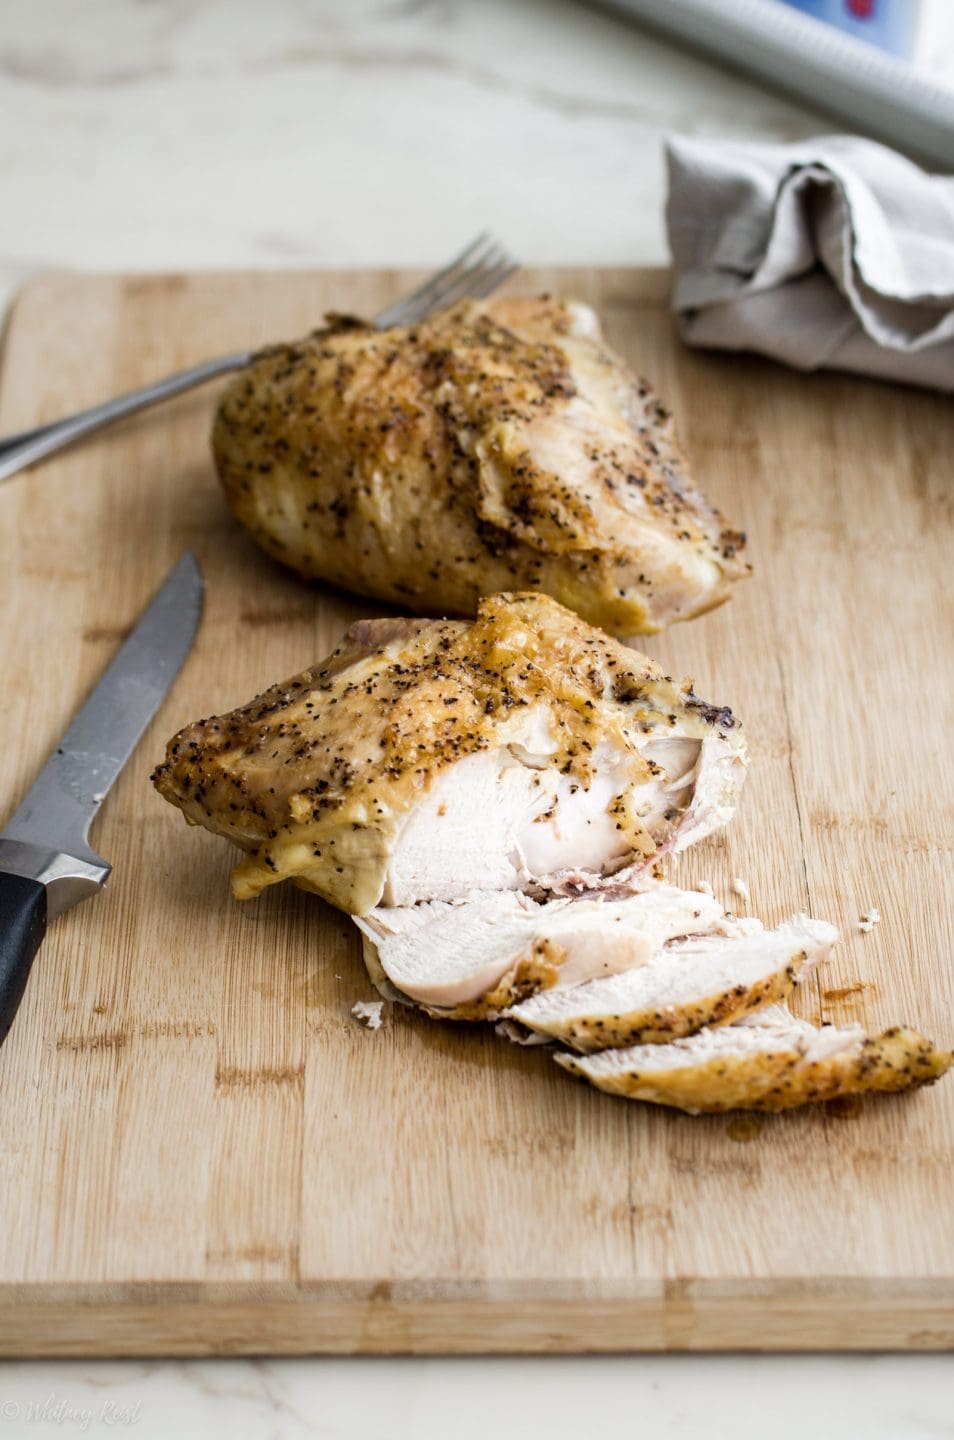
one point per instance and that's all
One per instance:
(46, 863)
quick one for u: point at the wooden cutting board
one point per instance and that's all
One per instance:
(201, 1151)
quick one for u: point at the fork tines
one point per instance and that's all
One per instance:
(475, 273)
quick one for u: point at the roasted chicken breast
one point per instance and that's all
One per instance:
(472, 959)
(489, 799)
(710, 976)
(427, 760)
(662, 995)
(497, 446)
(768, 1061)
(589, 972)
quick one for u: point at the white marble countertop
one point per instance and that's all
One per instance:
(756, 1397)
(220, 133)
(215, 134)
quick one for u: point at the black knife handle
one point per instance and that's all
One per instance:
(22, 927)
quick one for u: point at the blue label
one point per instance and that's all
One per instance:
(889, 24)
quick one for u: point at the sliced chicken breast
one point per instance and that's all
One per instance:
(497, 446)
(425, 760)
(768, 1061)
(470, 960)
(710, 979)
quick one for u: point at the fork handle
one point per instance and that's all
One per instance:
(19, 451)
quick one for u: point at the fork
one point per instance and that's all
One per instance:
(479, 270)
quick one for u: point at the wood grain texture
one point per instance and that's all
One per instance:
(202, 1152)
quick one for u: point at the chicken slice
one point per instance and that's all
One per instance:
(709, 979)
(425, 760)
(471, 959)
(768, 1061)
(497, 446)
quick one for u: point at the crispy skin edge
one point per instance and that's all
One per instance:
(897, 1060)
(587, 1034)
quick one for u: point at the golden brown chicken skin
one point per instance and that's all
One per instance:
(769, 1061)
(426, 759)
(498, 446)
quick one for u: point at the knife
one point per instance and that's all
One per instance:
(46, 863)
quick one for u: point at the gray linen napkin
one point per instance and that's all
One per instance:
(834, 252)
